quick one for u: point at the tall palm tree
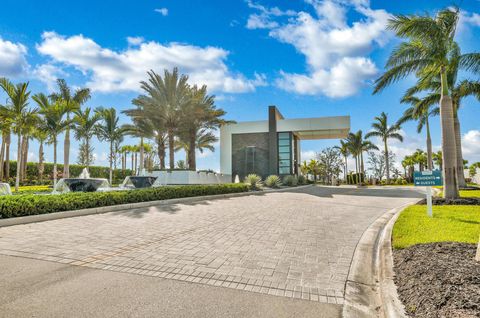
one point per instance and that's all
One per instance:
(54, 124)
(165, 97)
(384, 131)
(19, 113)
(109, 130)
(84, 124)
(344, 151)
(357, 145)
(204, 140)
(421, 110)
(199, 113)
(6, 128)
(41, 135)
(72, 101)
(430, 43)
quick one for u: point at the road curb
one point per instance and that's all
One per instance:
(121, 207)
(370, 290)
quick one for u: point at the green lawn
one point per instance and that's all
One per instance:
(458, 223)
(466, 193)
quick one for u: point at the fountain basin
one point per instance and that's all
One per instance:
(84, 185)
(142, 181)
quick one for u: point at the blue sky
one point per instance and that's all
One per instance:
(310, 58)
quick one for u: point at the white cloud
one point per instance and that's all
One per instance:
(336, 52)
(48, 74)
(162, 11)
(110, 70)
(307, 155)
(471, 18)
(135, 40)
(471, 146)
(12, 59)
(263, 19)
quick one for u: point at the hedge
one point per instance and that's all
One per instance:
(32, 177)
(30, 204)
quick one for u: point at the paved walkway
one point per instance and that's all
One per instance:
(296, 244)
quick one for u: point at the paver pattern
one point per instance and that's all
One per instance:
(293, 244)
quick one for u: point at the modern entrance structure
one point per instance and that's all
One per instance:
(273, 146)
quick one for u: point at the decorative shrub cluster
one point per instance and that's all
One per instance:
(30, 204)
(253, 181)
(290, 181)
(355, 178)
(273, 181)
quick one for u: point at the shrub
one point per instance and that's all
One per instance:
(302, 180)
(253, 181)
(355, 178)
(30, 204)
(273, 181)
(290, 181)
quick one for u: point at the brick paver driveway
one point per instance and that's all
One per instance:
(292, 244)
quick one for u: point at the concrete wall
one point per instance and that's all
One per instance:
(189, 177)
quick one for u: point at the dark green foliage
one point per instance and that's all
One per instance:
(21, 205)
(75, 170)
(355, 178)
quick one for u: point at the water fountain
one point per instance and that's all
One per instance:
(81, 184)
(5, 189)
(138, 182)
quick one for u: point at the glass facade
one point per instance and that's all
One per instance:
(284, 153)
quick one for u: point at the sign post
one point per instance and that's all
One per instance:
(428, 178)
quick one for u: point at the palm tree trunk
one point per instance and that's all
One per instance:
(142, 155)
(448, 141)
(133, 162)
(192, 164)
(22, 157)
(161, 153)
(387, 163)
(123, 161)
(2, 156)
(346, 168)
(171, 149)
(19, 158)
(429, 145)
(66, 151)
(25, 157)
(54, 162)
(7, 156)
(40, 161)
(458, 144)
(111, 161)
(87, 146)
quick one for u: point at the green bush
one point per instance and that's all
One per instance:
(30, 204)
(355, 178)
(302, 180)
(32, 177)
(253, 181)
(273, 181)
(290, 181)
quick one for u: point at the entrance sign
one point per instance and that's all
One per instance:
(428, 179)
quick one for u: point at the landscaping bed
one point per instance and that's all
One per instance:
(31, 204)
(438, 280)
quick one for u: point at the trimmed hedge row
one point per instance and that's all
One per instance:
(32, 176)
(30, 204)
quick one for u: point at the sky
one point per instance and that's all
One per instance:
(310, 58)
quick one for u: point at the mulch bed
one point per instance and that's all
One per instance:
(459, 201)
(438, 280)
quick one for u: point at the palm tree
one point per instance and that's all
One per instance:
(200, 113)
(84, 124)
(420, 158)
(437, 158)
(204, 140)
(384, 131)
(40, 134)
(6, 128)
(421, 110)
(71, 103)
(357, 145)
(53, 124)
(344, 151)
(427, 51)
(109, 130)
(164, 99)
(19, 113)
